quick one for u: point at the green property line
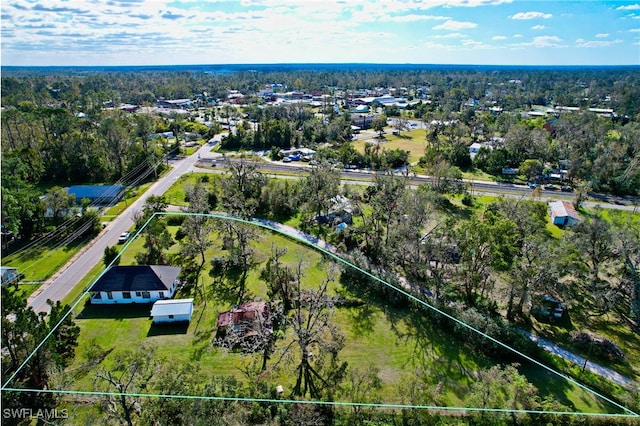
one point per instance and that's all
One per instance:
(339, 259)
(304, 401)
(73, 306)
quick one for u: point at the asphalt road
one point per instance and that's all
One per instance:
(60, 285)
(476, 187)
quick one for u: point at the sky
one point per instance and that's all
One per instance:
(172, 32)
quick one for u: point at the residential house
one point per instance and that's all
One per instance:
(475, 147)
(340, 211)
(97, 194)
(563, 213)
(172, 310)
(135, 284)
(9, 275)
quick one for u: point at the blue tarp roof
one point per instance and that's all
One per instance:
(95, 191)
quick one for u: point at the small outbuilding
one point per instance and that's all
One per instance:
(172, 310)
(563, 213)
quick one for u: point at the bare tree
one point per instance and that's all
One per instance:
(130, 373)
(279, 278)
(197, 228)
(314, 330)
(237, 239)
(533, 271)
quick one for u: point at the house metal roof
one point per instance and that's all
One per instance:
(137, 278)
(247, 312)
(95, 191)
(563, 209)
(172, 307)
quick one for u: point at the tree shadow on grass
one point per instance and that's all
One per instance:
(115, 311)
(165, 329)
(548, 384)
(361, 319)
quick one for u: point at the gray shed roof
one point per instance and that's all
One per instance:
(137, 278)
(172, 307)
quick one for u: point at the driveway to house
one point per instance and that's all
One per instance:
(63, 282)
(591, 366)
(545, 344)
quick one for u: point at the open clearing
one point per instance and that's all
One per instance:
(398, 342)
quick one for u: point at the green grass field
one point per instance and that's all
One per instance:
(410, 140)
(40, 262)
(397, 342)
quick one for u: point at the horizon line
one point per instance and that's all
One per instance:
(262, 64)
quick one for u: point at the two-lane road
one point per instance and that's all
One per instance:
(61, 284)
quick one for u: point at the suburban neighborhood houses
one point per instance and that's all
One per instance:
(324, 242)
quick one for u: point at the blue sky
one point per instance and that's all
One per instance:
(165, 32)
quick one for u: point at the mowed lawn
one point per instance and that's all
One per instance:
(398, 342)
(409, 140)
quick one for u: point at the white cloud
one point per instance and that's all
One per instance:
(596, 43)
(452, 25)
(531, 15)
(413, 18)
(434, 45)
(546, 41)
(542, 41)
(498, 37)
(476, 44)
(629, 7)
(469, 3)
(450, 35)
(634, 30)
(517, 36)
(538, 27)
(602, 35)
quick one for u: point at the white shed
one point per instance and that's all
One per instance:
(172, 310)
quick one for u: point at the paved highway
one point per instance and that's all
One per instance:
(357, 176)
(61, 284)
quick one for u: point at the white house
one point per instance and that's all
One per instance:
(135, 284)
(172, 310)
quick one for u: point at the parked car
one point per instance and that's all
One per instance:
(550, 187)
(286, 160)
(548, 308)
(566, 188)
(533, 185)
(124, 237)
